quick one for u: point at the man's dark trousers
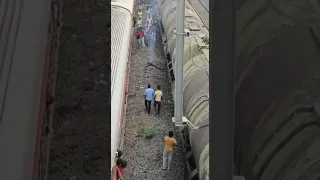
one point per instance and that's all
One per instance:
(148, 105)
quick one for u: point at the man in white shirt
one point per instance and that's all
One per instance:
(149, 21)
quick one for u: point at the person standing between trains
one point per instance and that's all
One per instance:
(154, 24)
(137, 33)
(148, 12)
(140, 6)
(149, 8)
(149, 35)
(148, 94)
(140, 14)
(118, 154)
(169, 143)
(142, 37)
(134, 21)
(121, 164)
(149, 21)
(139, 23)
(154, 36)
(158, 98)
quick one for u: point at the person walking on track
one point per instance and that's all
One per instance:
(169, 143)
(149, 36)
(148, 94)
(158, 98)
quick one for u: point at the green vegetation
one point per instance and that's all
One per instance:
(146, 132)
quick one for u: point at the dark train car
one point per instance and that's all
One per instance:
(278, 83)
(25, 60)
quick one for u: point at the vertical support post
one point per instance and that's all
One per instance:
(180, 7)
(222, 87)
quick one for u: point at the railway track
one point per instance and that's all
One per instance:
(202, 10)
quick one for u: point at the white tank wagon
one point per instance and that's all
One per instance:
(277, 106)
(196, 83)
(121, 24)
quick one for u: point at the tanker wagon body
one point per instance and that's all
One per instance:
(277, 117)
(121, 29)
(196, 86)
(277, 132)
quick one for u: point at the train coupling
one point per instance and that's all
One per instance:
(185, 122)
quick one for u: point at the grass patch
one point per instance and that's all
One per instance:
(146, 132)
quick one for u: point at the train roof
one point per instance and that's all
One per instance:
(123, 4)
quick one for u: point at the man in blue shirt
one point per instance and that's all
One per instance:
(148, 94)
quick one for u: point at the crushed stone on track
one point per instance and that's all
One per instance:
(144, 156)
(80, 137)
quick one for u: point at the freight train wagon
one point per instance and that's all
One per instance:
(121, 28)
(24, 63)
(196, 83)
(277, 109)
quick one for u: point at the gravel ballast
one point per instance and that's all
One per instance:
(144, 155)
(81, 130)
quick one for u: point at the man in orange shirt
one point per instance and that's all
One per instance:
(169, 142)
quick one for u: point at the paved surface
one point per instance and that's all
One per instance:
(22, 45)
(201, 10)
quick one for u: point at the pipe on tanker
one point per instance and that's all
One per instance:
(180, 60)
(221, 78)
